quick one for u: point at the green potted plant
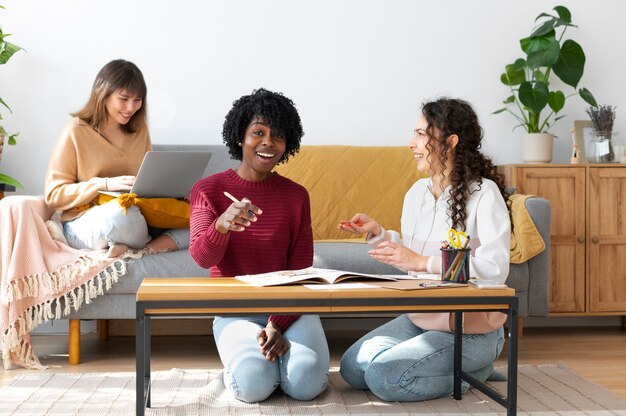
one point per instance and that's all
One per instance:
(546, 52)
(7, 50)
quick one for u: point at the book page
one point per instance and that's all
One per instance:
(340, 286)
(282, 277)
(308, 275)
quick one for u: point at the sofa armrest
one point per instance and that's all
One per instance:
(539, 266)
(349, 256)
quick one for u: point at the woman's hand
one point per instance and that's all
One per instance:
(237, 217)
(272, 342)
(399, 256)
(360, 223)
(120, 183)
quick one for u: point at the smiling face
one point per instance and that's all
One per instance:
(261, 151)
(122, 105)
(417, 144)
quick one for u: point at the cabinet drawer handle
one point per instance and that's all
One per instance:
(581, 240)
(595, 240)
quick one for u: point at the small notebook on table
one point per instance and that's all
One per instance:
(487, 284)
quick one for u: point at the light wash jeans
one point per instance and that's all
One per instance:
(105, 225)
(399, 361)
(301, 373)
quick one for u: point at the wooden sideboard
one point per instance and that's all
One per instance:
(588, 257)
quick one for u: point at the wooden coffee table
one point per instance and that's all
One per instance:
(175, 297)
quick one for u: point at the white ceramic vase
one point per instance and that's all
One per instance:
(537, 147)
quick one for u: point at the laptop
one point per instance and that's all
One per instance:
(168, 174)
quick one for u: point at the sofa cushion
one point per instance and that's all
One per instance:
(344, 180)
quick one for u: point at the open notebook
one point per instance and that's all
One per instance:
(168, 174)
(316, 275)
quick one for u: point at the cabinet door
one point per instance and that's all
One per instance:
(607, 239)
(564, 187)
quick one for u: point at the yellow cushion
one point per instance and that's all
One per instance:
(526, 242)
(344, 180)
(158, 212)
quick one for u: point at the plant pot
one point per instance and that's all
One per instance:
(537, 147)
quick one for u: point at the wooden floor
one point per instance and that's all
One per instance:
(598, 354)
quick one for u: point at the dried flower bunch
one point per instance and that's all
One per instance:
(602, 117)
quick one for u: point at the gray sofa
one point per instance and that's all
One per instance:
(529, 279)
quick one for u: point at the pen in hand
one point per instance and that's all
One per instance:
(235, 200)
(229, 196)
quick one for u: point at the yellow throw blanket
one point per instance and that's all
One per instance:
(42, 279)
(526, 242)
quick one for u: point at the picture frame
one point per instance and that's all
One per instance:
(582, 136)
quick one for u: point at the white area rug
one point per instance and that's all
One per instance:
(543, 390)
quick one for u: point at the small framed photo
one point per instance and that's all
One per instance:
(582, 136)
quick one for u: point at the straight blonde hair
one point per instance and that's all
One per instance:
(117, 74)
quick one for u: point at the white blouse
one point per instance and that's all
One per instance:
(425, 224)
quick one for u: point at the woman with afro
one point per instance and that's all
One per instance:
(411, 357)
(269, 229)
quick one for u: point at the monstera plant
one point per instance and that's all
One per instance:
(7, 50)
(546, 52)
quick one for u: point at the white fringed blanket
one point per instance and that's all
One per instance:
(42, 279)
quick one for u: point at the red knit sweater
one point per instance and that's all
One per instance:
(280, 239)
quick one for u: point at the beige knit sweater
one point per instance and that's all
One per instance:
(82, 160)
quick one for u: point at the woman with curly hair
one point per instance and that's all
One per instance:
(267, 229)
(410, 358)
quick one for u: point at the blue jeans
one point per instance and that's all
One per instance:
(302, 372)
(399, 361)
(103, 226)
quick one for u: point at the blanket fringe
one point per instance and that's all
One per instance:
(46, 284)
(12, 342)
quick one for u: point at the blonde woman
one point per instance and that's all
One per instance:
(101, 149)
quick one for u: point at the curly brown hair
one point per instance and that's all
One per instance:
(448, 116)
(274, 109)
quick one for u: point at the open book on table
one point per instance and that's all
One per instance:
(310, 275)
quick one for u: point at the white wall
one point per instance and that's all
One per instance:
(357, 70)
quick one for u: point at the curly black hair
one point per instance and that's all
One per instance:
(447, 116)
(278, 111)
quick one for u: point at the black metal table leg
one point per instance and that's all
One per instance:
(512, 360)
(458, 351)
(140, 354)
(147, 334)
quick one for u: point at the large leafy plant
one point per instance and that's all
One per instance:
(7, 50)
(546, 53)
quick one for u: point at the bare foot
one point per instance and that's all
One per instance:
(162, 244)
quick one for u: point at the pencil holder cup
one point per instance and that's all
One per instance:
(455, 264)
